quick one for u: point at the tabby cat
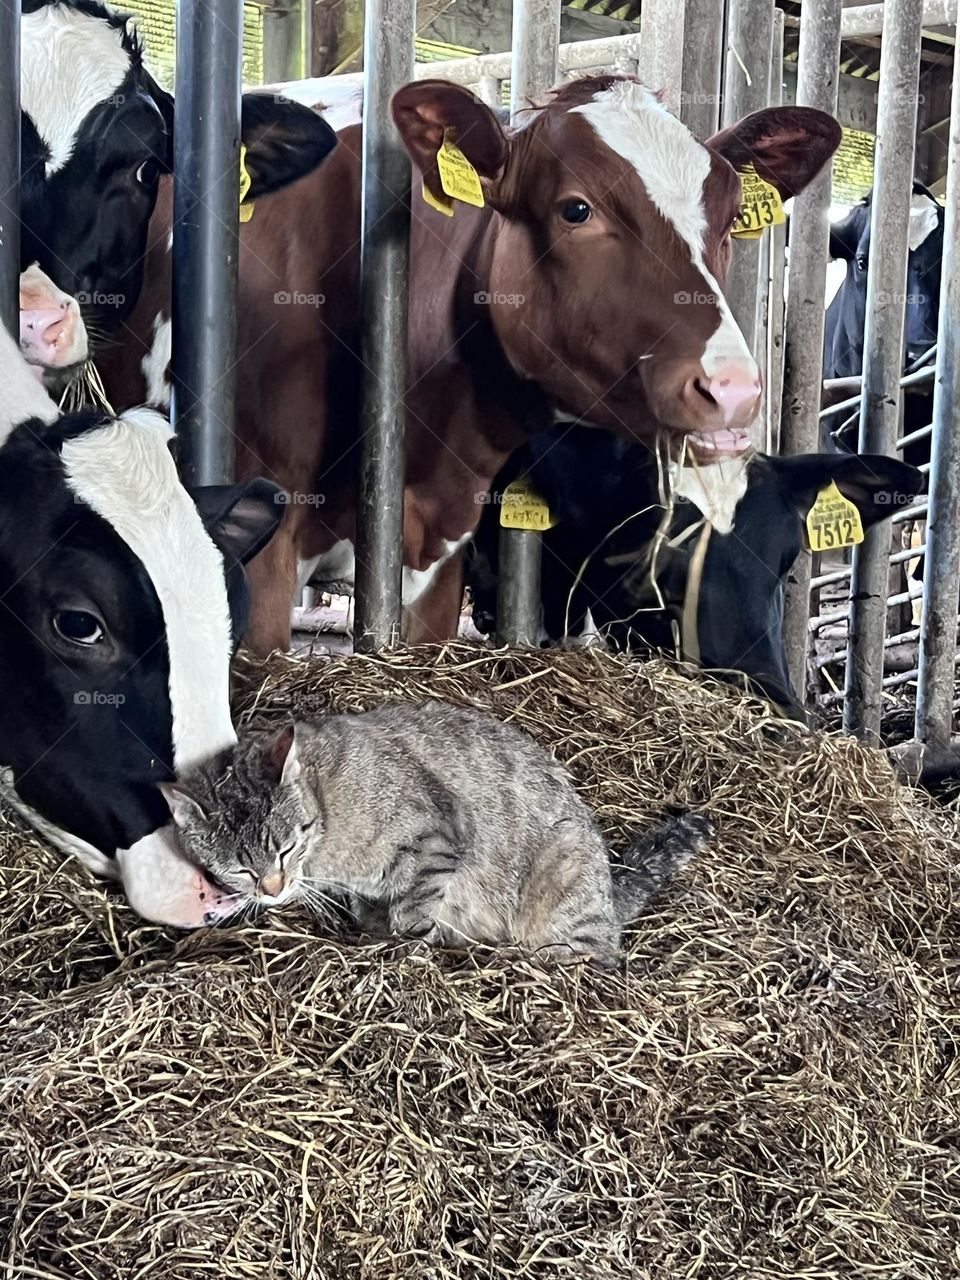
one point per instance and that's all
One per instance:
(427, 820)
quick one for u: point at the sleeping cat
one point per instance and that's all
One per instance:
(428, 820)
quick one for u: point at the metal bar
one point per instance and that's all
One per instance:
(385, 229)
(774, 259)
(841, 575)
(702, 67)
(910, 513)
(534, 63)
(488, 91)
(883, 346)
(533, 69)
(831, 384)
(10, 165)
(746, 86)
(817, 86)
(935, 688)
(661, 60)
(205, 236)
(920, 434)
(840, 655)
(582, 55)
(838, 615)
(867, 19)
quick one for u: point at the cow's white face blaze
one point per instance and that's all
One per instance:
(674, 169)
(69, 64)
(124, 599)
(124, 471)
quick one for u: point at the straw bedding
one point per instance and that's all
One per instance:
(769, 1089)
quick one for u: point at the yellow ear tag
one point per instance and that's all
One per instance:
(833, 521)
(458, 177)
(246, 210)
(521, 507)
(761, 206)
(442, 206)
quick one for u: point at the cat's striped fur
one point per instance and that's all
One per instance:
(428, 820)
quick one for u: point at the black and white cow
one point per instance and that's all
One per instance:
(845, 319)
(97, 133)
(667, 578)
(123, 597)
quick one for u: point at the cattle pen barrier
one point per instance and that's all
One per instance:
(713, 62)
(707, 85)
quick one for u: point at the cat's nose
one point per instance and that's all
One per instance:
(271, 886)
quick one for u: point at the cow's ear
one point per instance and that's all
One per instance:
(845, 234)
(788, 146)
(284, 141)
(429, 111)
(163, 101)
(241, 518)
(876, 485)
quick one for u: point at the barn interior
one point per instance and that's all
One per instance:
(768, 1087)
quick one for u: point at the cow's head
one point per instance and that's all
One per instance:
(97, 133)
(612, 224)
(122, 599)
(53, 337)
(850, 243)
(725, 610)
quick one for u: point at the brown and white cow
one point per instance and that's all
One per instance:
(586, 288)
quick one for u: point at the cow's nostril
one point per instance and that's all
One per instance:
(703, 390)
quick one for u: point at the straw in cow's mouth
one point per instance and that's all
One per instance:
(86, 391)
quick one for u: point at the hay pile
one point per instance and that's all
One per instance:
(769, 1090)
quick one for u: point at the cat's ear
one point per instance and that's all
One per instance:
(284, 756)
(184, 807)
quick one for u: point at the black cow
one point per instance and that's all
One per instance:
(123, 598)
(658, 579)
(97, 133)
(846, 316)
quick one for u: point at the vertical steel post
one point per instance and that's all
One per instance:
(206, 203)
(10, 165)
(818, 75)
(941, 578)
(388, 64)
(661, 58)
(746, 82)
(533, 69)
(702, 67)
(883, 347)
(771, 321)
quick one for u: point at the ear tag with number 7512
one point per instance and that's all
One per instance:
(833, 521)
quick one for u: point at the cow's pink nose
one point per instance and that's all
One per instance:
(41, 331)
(735, 389)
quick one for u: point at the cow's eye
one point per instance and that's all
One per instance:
(78, 626)
(861, 262)
(575, 211)
(148, 173)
